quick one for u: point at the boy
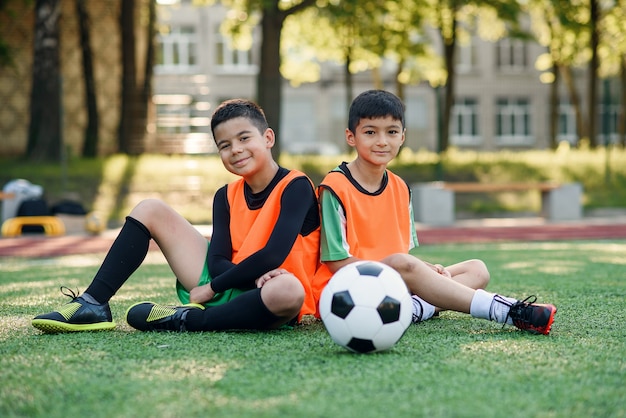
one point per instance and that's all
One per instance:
(366, 213)
(256, 272)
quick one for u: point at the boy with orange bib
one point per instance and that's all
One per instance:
(367, 214)
(256, 272)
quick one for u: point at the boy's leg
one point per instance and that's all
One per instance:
(446, 293)
(91, 310)
(183, 246)
(276, 303)
(470, 273)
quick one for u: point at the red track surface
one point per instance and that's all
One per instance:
(41, 246)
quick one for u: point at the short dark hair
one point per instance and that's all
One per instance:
(372, 104)
(239, 108)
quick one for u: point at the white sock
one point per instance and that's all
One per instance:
(491, 306)
(500, 307)
(422, 310)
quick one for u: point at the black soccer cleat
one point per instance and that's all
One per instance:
(533, 317)
(76, 315)
(149, 316)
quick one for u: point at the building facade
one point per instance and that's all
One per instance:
(500, 102)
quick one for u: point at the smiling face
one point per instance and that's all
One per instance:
(244, 150)
(376, 140)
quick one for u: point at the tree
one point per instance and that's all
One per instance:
(594, 30)
(44, 133)
(135, 94)
(360, 35)
(453, 17)
(269, 79)
(129, 97)
(90, 140)
(557, 25)
(613, 63)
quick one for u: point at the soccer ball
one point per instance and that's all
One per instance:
(94, 223)
(366, 307)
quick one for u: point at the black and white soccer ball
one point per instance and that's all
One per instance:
(366, 307)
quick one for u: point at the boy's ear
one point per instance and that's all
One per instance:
(270, 137)
(350, 137)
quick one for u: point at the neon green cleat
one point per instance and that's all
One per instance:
(149, 316)
(77, 315)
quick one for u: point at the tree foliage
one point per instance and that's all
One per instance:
(271, 17)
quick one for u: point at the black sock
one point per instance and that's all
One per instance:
(246, 311)
(124, 257)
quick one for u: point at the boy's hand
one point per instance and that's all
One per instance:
(441, 270)
(201, 294)
(269, 275)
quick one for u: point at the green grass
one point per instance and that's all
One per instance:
(451, 366)
(114, 185)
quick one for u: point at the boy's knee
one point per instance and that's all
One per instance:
(146, 209)
(481, 272)
(283, 295)
(403, 263)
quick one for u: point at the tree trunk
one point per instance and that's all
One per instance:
(554, 108)
(149, 68)
(129, 77)
(269, 79)
(566, 72)
(449, 47)
(45, 140)
(400, 87)
(90, 141)
(349, 79)
(622, 112)
(594, 16)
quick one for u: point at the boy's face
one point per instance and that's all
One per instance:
(243, 149)
(377, 140)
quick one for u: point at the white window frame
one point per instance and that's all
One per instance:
(466, 57)
(511, 55)
(229, 60)
(513, 122)
(466, 122)
(179, 49)
(614, 111)
(566, 128)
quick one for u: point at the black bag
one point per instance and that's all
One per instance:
(68, 207)
(33, 207)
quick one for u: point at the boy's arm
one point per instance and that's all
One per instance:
(335, 251)
(220, 250)
(289, 224)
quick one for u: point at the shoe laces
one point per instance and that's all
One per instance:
(518, 313)
(66, 291)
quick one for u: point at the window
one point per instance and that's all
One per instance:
(609, 120)
(177, 50)
(567, 123)
(511, 54)
(465, 129)
(229, 59)
(513, 122)
(466, 57)
(173, 113)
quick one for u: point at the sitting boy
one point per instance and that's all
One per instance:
(256, 272)
(367, 214)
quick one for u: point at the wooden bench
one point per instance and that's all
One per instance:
(434, 203)
(52, 225)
